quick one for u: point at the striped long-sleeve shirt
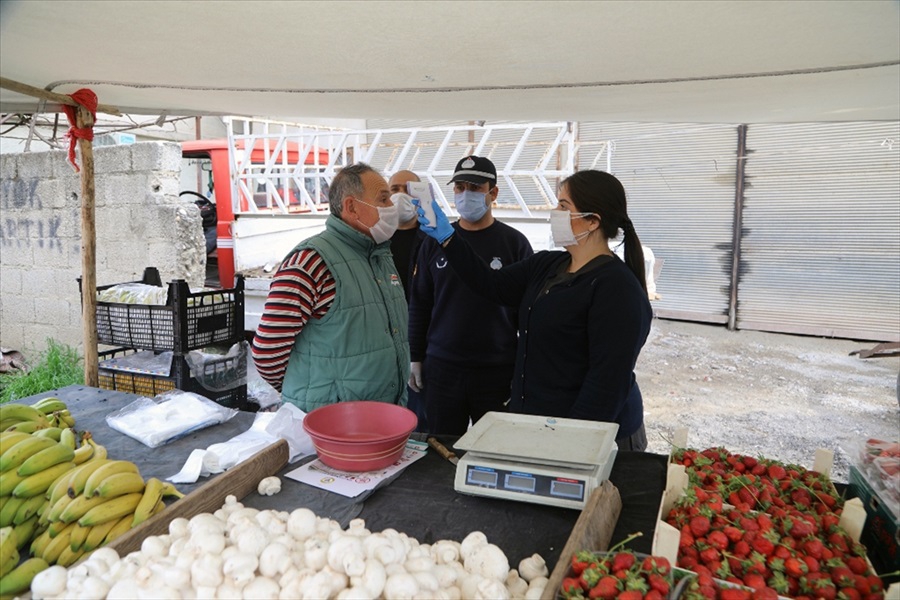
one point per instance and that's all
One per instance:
(302, 289)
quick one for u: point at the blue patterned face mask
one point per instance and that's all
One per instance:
(470, 205)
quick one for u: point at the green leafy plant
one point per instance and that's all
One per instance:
(57, 366)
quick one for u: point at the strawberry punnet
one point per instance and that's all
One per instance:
(781, 534)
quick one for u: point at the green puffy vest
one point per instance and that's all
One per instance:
(359, 350)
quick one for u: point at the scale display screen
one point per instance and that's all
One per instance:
(525, 483)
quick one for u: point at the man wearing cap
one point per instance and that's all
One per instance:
(463, 347)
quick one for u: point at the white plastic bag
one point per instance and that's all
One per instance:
(268, 427)
(167, 417)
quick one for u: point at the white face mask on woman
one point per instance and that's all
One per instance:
(405, 207)
(388, 220)
(561, 233)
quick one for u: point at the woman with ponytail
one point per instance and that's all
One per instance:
(583, 313)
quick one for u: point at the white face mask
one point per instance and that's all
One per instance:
(405, 207)
(388, 219)
(561, 234)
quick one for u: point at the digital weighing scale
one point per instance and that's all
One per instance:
(530, 458)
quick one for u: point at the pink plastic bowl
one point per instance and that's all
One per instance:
(359, 436)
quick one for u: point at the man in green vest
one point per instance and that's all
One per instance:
(334, 328)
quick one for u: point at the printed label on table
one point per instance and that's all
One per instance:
(345, 483)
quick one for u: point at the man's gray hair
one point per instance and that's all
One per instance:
(348, 182)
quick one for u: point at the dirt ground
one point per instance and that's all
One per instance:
(779, 396)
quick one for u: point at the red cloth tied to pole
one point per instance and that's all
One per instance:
(87, 99)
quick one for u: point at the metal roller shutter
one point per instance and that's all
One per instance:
(821, 230)
(680, 181)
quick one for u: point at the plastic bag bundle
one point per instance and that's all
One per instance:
(134, 293)
(167, 417)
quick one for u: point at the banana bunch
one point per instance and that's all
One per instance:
(14, 577)
(96, 503)
(47, 413)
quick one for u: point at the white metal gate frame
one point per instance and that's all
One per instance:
(345, 146)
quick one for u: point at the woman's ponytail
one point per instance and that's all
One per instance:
(634, 253)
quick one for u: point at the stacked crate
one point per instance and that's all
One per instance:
(188, 321)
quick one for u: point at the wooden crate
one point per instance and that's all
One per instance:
(238, 481)
(593, 531)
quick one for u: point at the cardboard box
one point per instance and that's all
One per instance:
(881, 533)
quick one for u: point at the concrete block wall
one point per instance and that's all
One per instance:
(140, 222)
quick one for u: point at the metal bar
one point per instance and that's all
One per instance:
(738, 226)
(518, 195)
(373, 147)
(403, 153)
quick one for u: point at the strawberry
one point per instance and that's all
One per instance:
(699, 526)
(654, 595)
(849, 593)
(658, 583)
(755, 581)
(590, 576)
(687, 538)
(571, 588)
(717, 540)
(776, 472)
(763, 546)
(857, 565)
(606, 588)
(622, 561)
(801, 497)
(656, 564)
(814, 548)
(733, 533)
(799, 528)
(811, 564)
(862, 585)
(756, 564)
(581, 561)
(709, 555)
(875, 583)
(842, 577)
(734, 594)
(839, 541)
(741, 549)
(794, 567)
(818, 585)
(631, 595)
(783, 552)
(765, 593)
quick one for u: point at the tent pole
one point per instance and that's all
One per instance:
(84, 119)
(30, 90)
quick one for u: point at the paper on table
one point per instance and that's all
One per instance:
(316, 474)
(267, 428)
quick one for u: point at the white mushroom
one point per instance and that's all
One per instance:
(269, 486)
(533, 567)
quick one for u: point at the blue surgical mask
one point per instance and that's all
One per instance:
(470, 205)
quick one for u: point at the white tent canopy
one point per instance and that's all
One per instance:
(666, 61)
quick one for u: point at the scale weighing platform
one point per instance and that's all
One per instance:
(538, 459)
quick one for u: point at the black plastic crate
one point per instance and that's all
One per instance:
(187, 321)
(150, 385)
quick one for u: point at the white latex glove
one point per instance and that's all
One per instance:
(415, 376)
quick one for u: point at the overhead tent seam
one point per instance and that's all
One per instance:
(530, 86)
